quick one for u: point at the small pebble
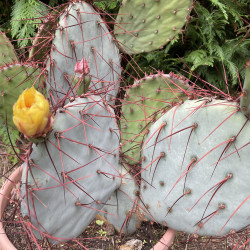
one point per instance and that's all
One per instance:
(132, 245)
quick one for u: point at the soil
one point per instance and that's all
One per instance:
(104, 237)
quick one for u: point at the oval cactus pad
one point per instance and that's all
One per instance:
(70, 176)
(82, 34)
(196, 168)
(144, 102)
(144, 26)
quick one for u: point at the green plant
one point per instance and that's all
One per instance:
(102, 232)
(214, 45)
(99, 222)
(108, 6)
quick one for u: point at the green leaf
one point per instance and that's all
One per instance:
(99, 222)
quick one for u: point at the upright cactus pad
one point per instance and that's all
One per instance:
(122, 207)
(43, 40)
(196, 168)
(70, 176)
(14, 79)
(83, 34)
(245, 99)
(144, 26)
(7, 51)
(144, 102)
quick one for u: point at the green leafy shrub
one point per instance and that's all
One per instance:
(213, 45)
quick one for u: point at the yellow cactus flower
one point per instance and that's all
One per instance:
(31, 113)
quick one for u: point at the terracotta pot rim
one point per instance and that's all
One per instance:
(166, 241)
(5, 195)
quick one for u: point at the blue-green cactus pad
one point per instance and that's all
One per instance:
(211, 140)
(122, 207)
(72, 174)
(83, 34)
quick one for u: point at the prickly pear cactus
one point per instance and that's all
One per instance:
(14, 79)
(7, 51)
(82, 34)
(70, 176)
(122, 209)
(196, 169)
(144, 102)
(144, 26)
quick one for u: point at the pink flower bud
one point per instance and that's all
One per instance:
(82, 67)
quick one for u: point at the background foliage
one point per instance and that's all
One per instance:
(215, 40)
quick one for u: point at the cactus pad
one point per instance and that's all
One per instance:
(83, 34)
(71, 175)
(144, 102)
(7, 51)
(147, 25)
(122, 207)
(198, 166)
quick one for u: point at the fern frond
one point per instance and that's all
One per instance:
(199, 57)
(26, 16)
(221, 6)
